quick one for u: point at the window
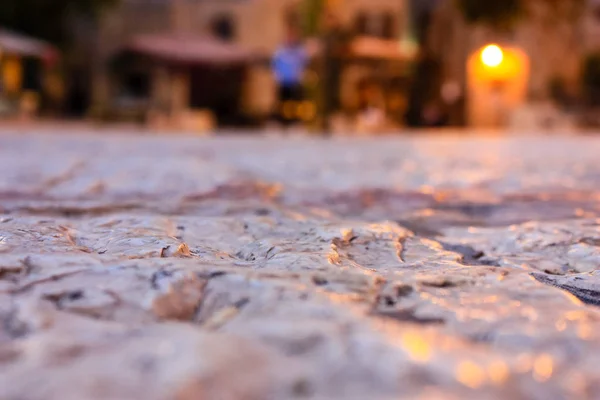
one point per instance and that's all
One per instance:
(223, 27)
(136, 85)
(383, 25)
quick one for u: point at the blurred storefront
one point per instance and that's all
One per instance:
(27, 76)
(216, 56)
(371, 90)
(180, 81)
(376, 77)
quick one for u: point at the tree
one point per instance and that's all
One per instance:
(311, 11)
(48, 19)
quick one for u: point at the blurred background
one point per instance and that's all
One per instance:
(333, 66)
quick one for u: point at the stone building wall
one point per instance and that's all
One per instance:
(256, 24)
(554, 48)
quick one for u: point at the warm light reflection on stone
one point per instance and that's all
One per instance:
(427, 189)
(543, 367)
(576, 315)
(530, 313)
(470, 374)
(573, 299)
(414, 303)
(428, 212)
(524, 362)
(576, 382)
(498, 372)
(417, 347)
(584, 331)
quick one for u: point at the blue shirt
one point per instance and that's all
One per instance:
(289, 63)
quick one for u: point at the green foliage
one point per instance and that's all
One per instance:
(48, 19)
(311, 16)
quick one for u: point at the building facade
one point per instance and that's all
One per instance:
(256, 26)
(27, 77)
(555, 47)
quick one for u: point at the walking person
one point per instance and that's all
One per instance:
(289, 65)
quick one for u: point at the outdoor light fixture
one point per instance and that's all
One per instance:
(492, 56)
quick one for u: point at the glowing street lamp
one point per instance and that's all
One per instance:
(492, 56)
(497, 82)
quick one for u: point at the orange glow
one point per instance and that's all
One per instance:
(12, 74)
(306, 110)
(511, 65)
(497, 85)
(288, 109)
(498, 372)
(584, 331)
(417, 347)
(470, 374)
(543, 368)
(492, 56)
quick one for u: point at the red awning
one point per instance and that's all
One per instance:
(189, 49)
(13, 43)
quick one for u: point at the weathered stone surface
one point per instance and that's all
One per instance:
(250, 268)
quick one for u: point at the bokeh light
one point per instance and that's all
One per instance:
(492, 56)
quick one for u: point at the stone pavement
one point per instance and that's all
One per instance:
(146, 267)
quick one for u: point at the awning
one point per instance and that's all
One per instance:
(366, 47)
(188, 49)
(379, 49)
(13, 43)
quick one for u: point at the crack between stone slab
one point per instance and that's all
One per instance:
(590, 297)
(470, 255)
(25, 287)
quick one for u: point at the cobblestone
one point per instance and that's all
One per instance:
(170, 267)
